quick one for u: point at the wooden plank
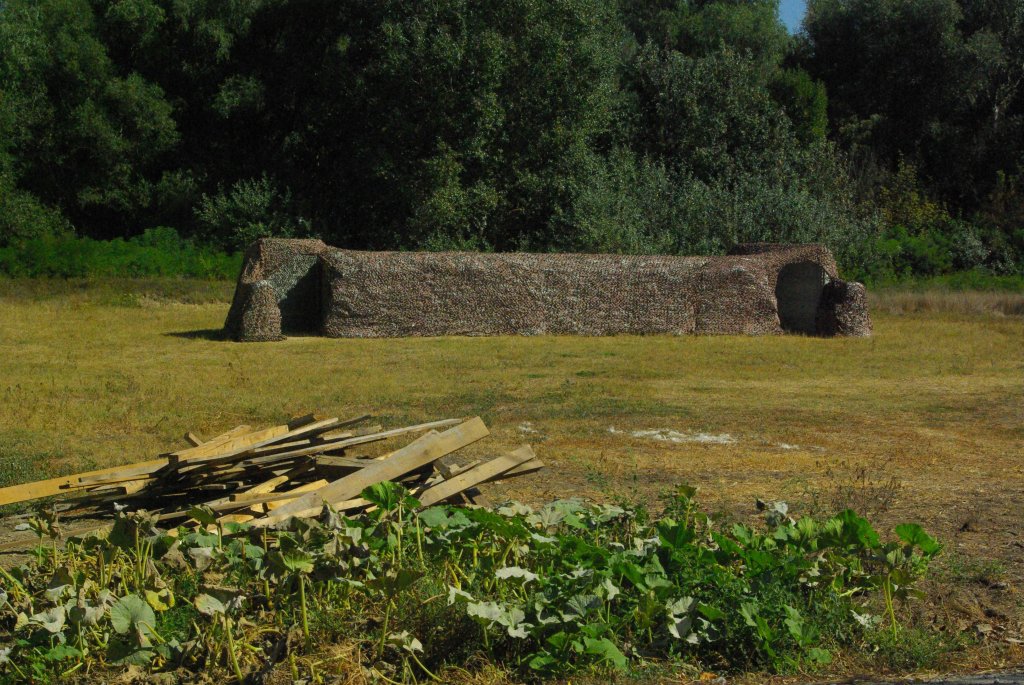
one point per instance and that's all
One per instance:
(231, 518)
(299, 421)
(478, 474)
(56, 486)
(447, 472)
(142, 470)
(269, 437)
(248, 464)
(267, 485)
(249, 497)
(369, 430)
(334, 445)
(394, 432)
(301, 490)
(521, 470)
(216, 441)
(124, 489)
(193, 439)
(414, 455)
(341, 462)
(148, 468)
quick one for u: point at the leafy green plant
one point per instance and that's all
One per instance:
(547, 591)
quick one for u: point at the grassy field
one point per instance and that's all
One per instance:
(923, 422)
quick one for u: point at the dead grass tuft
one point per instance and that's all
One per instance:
(968, 303)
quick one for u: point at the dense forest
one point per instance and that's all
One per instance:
(892, 130)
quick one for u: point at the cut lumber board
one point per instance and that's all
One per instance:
(249, 441)
(193, 439)
(445, 472)
(521, 470)
(230, 518)
(145, 469)
(342, 462)
(369, 430)
(245, 450)
(56, 486)
(292, 494)
(245, 498)
(478, 474)
(383, 435)
(421, 451)
(216, 441)
(266, 486)
(125, 489)
(323, 447)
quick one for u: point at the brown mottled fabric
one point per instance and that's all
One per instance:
(844, 310)
(759, 289)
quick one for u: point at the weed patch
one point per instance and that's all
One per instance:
(565, 588)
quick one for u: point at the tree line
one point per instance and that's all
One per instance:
(892, 130)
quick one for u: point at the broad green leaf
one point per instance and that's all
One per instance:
(61, 652)
(913, 534)
(203, 514)
(404, 640)
(160, 600)
(52, 620)
(131, 613)
(542, 662)
(434, 517)
(515, 572)
(486, 611)
(122, 653)
(820, 656)
(61, 584)
(607, 652)
(710, 613)
(386, 495)
(209, 605)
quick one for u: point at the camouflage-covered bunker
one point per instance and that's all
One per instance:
(305, 287)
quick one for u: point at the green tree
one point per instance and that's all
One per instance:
(90, 134)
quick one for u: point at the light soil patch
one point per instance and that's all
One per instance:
(922, 422)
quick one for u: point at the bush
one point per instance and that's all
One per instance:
(23, 217)
(157, 252)
(251, 209)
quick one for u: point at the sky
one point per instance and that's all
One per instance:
(792, 11)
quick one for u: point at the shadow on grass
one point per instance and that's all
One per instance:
(201, 334)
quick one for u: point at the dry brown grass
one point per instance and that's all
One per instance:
(962, 303)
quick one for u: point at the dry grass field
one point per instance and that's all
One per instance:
(923, 422)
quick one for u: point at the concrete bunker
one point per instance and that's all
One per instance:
(306, 287)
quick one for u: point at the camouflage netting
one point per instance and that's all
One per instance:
(306, 287)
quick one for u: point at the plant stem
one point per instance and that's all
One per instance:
(384, 629)
(887, 592)
(302, 606)
(425, 669)
(231, 651)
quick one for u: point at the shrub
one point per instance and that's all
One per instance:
(157, 252)
(251, 209)
(23, 217)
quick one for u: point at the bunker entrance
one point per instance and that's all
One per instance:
(798, 292)
(297, 286)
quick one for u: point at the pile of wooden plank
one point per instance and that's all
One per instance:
(294, 469)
